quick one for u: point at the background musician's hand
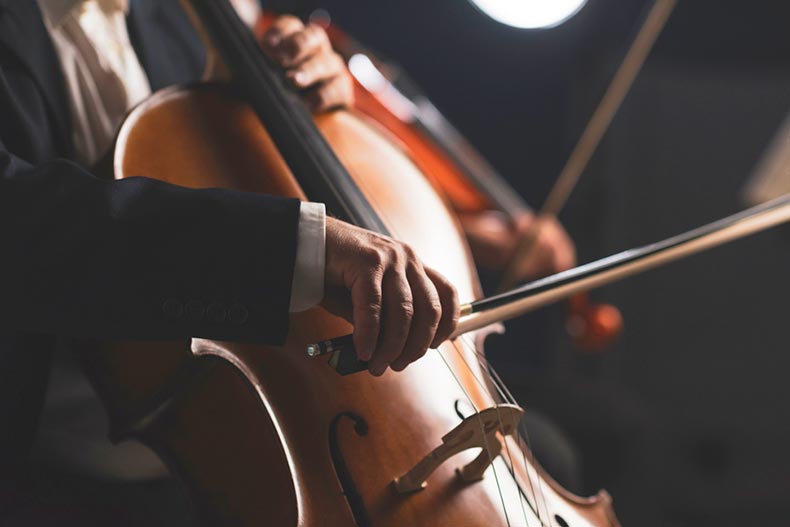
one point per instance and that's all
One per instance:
(310, 63)
(399, 308)
(493, 240)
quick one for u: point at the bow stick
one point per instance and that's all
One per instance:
(545, 291)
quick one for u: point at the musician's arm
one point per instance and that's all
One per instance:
(139, 258)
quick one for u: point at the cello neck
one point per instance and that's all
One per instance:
(313, 163)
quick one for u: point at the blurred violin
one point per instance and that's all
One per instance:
(386, 94)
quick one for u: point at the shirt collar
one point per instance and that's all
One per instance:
(56, 11)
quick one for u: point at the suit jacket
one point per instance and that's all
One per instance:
(85, 257)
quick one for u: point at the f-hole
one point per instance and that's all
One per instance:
(347, 484)
(560, 521)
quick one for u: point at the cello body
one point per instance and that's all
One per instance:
(264, 435)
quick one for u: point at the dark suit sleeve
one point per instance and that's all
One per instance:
(141, 259)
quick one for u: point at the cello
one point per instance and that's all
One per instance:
(263, 435)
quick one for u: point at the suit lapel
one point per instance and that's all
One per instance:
(23, 34)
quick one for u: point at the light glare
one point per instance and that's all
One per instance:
(530, 14)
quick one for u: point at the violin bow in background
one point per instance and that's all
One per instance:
(588, 142)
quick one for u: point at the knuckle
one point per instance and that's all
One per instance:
(393, 253)
(401, 254)
(406, 309)
(373, 299)
(374, 259)
(434, 314)
(373, 311)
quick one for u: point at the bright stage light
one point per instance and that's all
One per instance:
(530, 14)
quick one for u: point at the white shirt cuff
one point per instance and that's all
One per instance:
(307, 288)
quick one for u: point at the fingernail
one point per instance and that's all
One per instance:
(378, 371)
(398, 366)
(300, 78)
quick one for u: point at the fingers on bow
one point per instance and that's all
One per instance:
(418, 310)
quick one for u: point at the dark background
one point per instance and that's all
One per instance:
(685, 419)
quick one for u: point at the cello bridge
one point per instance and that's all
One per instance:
(484, 430)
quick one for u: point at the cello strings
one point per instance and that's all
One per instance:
(487, 447)
(533, 501)
(537, 496)
(508, 397)
(485, 389)
(523, 428)
(482, 428)
(535, 509)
